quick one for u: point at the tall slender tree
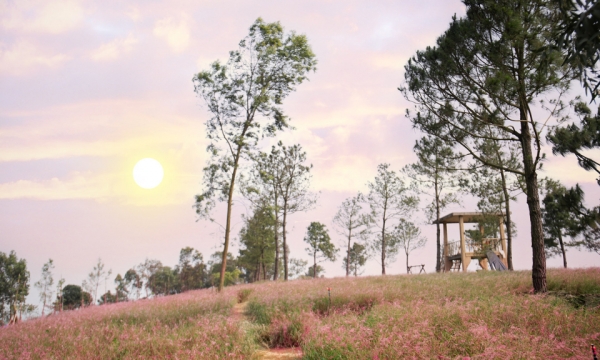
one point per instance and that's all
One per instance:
(356, 258)
(487, 70)
(319, 245)
(351, 223)
(244, 97)
(390, 200)
(434, 175)
(44, 285)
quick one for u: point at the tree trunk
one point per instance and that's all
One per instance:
(228, 223)
(383, 247)
(438, 267)
(285, 253)
(348, 255)
(508, 221)
(538, 272)
(276, 270)
(562, 249)
(315, 265)
(407, 269)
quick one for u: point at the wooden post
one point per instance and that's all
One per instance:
(463, 248)
(503, 240)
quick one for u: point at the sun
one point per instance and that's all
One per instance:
(148, 173)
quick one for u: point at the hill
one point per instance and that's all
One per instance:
(478, 315)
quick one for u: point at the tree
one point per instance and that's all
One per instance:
(433, 175)
(59, 298)
(358, 257)
(389, 200)
(232, 273)
(487, 71)
(133, 281)
(44, 285)
(14, 286)
(351, 223)
(294, 191)
(107, 298)
(73, 297)
(121, 291)
(145, 271)
(409, 238)
(562, 216)
(572, 139)
(191, 269)
(320, 246)
(297, 267)
(95, 278)
(244, 97)
(314, 274)
(163, 281)
(257, 252)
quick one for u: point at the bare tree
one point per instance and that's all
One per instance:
(44, 285)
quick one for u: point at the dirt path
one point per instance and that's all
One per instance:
(238, 314)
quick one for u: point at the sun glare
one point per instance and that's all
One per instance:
(148, 173)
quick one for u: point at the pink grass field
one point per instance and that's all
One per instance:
(485, 315)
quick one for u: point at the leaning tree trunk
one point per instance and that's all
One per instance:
(538, 272)
(562, 249)
(276, 269)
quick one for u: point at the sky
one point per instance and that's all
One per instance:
(89, 88)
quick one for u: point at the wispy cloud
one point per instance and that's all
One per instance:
(176, 33)
(24, 58)
(114, 49)
(41, 16)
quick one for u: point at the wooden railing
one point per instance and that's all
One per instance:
(471, 246)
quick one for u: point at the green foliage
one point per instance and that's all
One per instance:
(257, 251)
(579, 34)
(408, 236)
(71, 297)
(14, 285)
(572, 139)
(358, 257)
(164, 281)
(191, 270)
(319, 242)
(245, 97)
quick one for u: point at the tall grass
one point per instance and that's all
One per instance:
(476, 315)
(191, 325)
(485, 315)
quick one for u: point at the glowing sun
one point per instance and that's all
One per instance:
(148, 173)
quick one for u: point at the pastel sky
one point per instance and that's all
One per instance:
(89, 88)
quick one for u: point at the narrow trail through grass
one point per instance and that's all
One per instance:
(238, 314)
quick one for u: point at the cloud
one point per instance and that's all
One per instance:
(112, 50)
(43, 16)
(22, 57)
(175, 33)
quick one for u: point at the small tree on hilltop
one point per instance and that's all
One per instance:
(357, 257)
(44, 285)
(320, 246)
(389, 200)
(408, 236)
(351, 223)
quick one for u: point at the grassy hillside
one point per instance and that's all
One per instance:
(479, 315)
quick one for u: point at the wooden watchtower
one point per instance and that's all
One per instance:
(458, 254)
